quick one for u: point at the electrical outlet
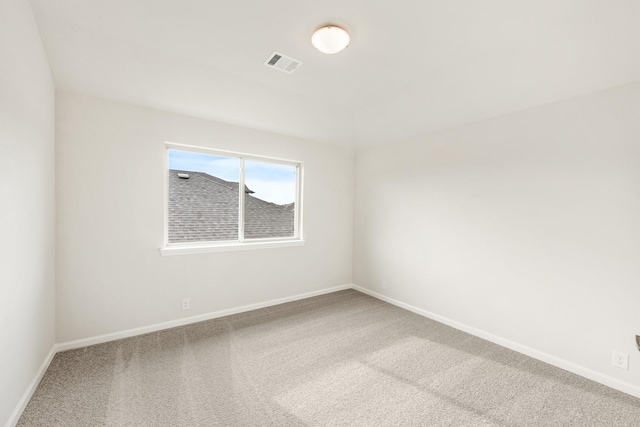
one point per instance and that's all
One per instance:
(186, 304)
(620, 360)
(384, 284)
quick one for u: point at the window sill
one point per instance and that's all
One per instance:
(227, 247)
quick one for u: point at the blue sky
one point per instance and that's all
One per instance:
(271, 182)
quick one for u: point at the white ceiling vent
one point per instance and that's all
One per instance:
(282, 62)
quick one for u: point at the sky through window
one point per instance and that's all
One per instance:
(271, 182)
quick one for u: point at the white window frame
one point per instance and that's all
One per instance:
(242, 243)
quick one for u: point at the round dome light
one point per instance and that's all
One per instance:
(330, 39)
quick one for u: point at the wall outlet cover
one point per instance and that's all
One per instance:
(620, 360)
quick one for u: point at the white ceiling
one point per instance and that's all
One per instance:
(413, 67)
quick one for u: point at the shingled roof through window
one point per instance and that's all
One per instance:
(205, 208)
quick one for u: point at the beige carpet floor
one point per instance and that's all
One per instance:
(342, 359)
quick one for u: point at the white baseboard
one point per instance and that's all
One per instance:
(188, 320)
(614, 383)
(22, 403)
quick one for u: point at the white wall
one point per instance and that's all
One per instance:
(110, 193)
(26, 204)
(526, 226)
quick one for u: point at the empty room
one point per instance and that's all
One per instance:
(338, 213)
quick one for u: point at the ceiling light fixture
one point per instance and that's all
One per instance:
(330, 39)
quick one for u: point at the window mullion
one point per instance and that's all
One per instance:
(241, 196)
(296, 206)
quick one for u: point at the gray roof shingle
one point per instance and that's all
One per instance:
(205, 208)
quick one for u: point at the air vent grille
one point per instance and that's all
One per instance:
(282, 62)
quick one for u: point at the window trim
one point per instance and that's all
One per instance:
(206, 248)
(185, 248)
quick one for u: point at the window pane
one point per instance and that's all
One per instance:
(270, 197)
(203, 197)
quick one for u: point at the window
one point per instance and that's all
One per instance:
(219, 200)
